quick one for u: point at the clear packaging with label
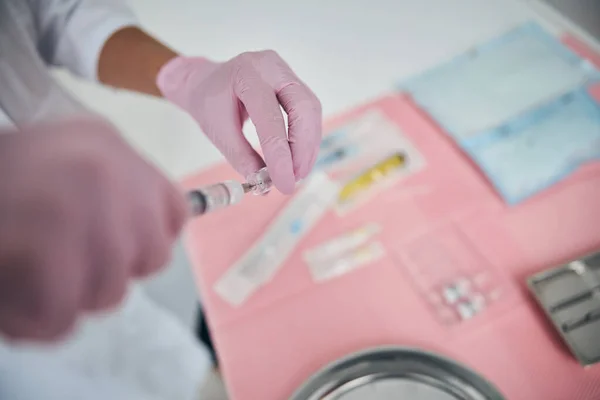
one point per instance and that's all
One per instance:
(341, 244)
(260, 263)
(323, 270)
(344, 253)
(357, 141)
(364, 185)
(365, 155)
(499, 80)
(537, 150)
(360, 144)
(455, 279)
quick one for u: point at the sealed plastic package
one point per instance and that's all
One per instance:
(533, 152)
(499, 80)
(344, 253)
(260, 263)
(366, 155)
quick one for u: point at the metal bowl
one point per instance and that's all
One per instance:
(396, 373)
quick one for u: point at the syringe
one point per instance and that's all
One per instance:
(224, 194)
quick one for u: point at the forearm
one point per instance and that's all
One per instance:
(131, 59)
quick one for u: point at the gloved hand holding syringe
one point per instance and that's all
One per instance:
(209, 198)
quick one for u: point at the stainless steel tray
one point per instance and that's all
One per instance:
(570, 297)
(395, 373)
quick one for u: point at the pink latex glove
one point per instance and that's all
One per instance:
(81, 213)
(221, 96)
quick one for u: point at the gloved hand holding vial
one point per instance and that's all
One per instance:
(70, 244)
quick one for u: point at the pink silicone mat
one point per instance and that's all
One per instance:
(292, 326)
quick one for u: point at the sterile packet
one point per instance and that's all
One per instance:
(367, 155)
(372, 180)
(534, 151)
(356, 143)
(341, 244)
(494, 82)
(323, 270)
(456, 279)
(259, 264)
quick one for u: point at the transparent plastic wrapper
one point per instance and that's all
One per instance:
(519, 107)
(499, 80)
(360, 144)
(365, 156)
(455, 279)
(362, 255)
(534, 151)
(262, 261)
(371, 181)
(342, 244)
(344, 253)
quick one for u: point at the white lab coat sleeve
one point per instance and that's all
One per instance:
(72, 33)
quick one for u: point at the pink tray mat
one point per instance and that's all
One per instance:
(292, 327)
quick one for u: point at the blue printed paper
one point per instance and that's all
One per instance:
(511, 75)
(532, 152)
